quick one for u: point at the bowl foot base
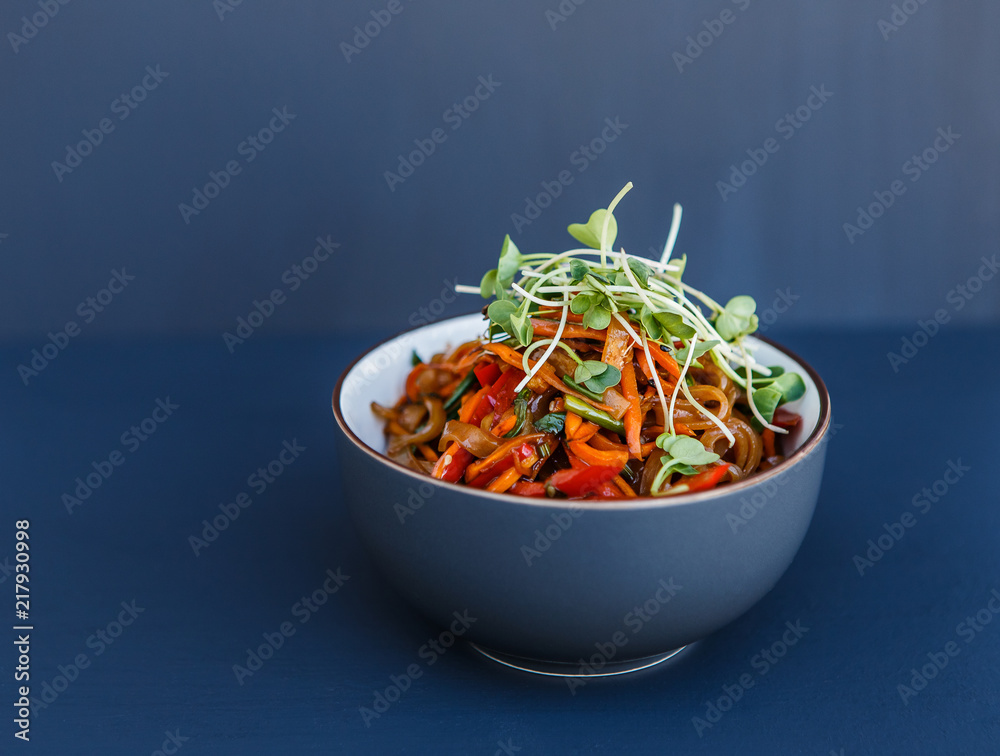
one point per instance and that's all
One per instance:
(568, 669)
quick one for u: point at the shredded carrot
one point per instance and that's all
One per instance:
(549, 328)
(572, 424)
(634, 414)
(618, 346)
(640, 356)
(624, 487)
(586, 432)
(571, 317)
(505, 424)
(665, 361)
(469, 408)
(429, 454)
(768, 436)
(506, 480)
(596, 457)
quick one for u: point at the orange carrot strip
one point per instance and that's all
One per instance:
(602, 442)
(506, 480)
(505, 424)
(586, 432)
(571, 317)
(572, 424)
(429, 454)
(618, 346)
(640, 356)
(596, 457)
(633, 416)
(768, 436)
(469, 408)
(624, 487)
(665, 360)
(549, 328)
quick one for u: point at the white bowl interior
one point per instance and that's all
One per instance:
(380, 377)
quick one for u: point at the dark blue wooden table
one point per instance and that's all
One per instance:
(196, 585)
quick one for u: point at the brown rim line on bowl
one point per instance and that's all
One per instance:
(459, 547)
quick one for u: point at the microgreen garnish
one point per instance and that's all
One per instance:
(415, 359)
(597, 375)
(649, 300)
(589, 233)
(682, 453)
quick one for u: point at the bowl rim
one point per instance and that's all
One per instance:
(638, 502)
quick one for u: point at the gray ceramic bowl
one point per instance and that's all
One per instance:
(560, 581)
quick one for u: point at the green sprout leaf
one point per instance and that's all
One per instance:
(674, 324)
(598, 316)
(790, 385)
(521, 323)
(590, 233)
(650, 323)
(766, 400)
(641, 270)
(510, 262)
(583, 302)
(737, 318)
(415, 359)
(500, 311)
(578, 270)
(681, 454)
(699, 350)
(488, 285)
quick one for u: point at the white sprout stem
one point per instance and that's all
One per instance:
(667, 417)
(753, 407)
(635, 337)
(538, 300)
(466, 289)
(607, 219)
(551, 347)
(675, 226)
(627, 270)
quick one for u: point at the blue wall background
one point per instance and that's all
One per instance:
(227, 67)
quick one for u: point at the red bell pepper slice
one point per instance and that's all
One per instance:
(528, 488)
(580, 481)
(487, 373)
